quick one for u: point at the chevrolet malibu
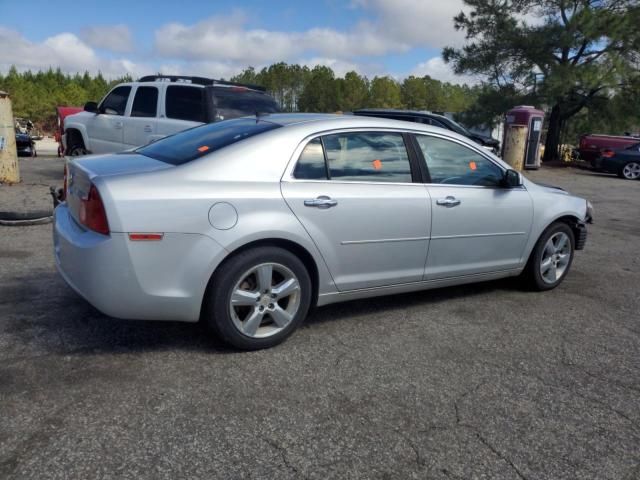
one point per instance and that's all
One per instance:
(248, 223)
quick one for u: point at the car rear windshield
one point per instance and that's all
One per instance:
(197, 142)
(234, 103)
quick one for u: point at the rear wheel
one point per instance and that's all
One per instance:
(631, 171)
(551, 258)
(258, 298)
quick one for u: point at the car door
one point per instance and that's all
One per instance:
(140, 125)
(105, 129)
(355, 196)
(478, 226)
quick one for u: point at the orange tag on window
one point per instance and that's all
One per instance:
(203, 148)
(473, 166)
(377, 164)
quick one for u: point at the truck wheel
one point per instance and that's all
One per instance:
(78, 150)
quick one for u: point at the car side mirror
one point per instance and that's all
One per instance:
(511, 179)
(91, 107)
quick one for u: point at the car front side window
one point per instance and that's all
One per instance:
(116, 102)
(454, 164)
(368, 157)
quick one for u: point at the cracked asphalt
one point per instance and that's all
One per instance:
(481, 381)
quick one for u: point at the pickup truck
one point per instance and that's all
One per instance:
(592, 145)
(137, 113)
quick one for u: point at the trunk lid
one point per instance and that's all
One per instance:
(81, 173)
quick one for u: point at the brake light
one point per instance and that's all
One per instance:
(63, 195)
(607, 153)
(92, 214)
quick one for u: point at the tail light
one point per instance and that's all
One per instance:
(63, 195)
(607, 153)
(92, 213)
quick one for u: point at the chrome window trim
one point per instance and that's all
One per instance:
(288, 173)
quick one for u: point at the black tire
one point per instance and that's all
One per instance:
(621, 172)
(216, 308)
(532, 275)
(77, 150)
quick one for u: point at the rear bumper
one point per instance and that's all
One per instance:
(162, 280)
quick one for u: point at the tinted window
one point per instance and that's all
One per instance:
(370, 156)
(196, 142)
(451, 163)
(311, 164)
(145, 103)
(185, 103)
(233, 103)
(116, 101)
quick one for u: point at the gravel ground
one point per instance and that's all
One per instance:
(480, 381)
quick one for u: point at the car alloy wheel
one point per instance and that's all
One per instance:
(631, 171)
(555, 257)
(265, 300)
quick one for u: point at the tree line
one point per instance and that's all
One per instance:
(35, 95)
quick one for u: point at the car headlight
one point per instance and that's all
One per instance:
(589, 217)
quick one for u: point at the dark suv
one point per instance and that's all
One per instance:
(434, 119)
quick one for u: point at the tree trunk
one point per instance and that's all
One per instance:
(553, 135)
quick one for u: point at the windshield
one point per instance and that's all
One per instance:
(232, 103)
(196, 142)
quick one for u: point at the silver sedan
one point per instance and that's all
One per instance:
(246, 224)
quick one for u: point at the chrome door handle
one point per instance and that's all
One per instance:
(321, 202)
(147, 128)
(448, 202)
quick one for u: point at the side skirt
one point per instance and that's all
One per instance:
(336, 297)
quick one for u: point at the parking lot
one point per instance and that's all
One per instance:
(479, 381)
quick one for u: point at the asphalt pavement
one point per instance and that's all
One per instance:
(479, 381)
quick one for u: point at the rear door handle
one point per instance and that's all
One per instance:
(148, 129)
(321, 202)
(448, 202)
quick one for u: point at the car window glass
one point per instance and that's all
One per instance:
(116, 101)
(367, 156)
(196, 142)
(145, 102)
(451, 163)
(185, 103)
(240, 102)
(311, 164)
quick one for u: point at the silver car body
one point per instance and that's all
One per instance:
(380, 238)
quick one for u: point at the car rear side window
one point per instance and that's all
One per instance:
(311, 165)
(454, 164)
(196, 142)
(185, 103)
(145, 103)
(367, 157)
(116, 101)
(232, 102)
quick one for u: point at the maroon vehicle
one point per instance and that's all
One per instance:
(592, 145)
(62, 113)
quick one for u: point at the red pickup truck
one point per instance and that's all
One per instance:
(591, 145)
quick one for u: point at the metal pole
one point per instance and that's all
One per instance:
(9, 170)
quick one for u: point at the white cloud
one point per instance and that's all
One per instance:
(116, 38)
(438, 69)
(65, 51)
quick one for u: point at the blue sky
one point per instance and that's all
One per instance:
(220, 38)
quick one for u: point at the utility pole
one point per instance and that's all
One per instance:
(9, 170)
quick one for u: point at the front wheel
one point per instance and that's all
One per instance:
(258, 298)
(551, 258)
(631, 171)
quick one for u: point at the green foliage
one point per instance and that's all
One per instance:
(570, 56)
(385, 93)
(36, 95)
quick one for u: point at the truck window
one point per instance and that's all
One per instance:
(185, 103)
(233, 103)
(145, 103)
(116, 102)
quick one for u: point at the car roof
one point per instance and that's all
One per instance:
(397, 111)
